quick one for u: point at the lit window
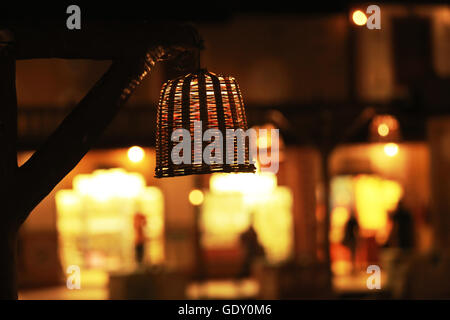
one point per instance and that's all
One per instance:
(391, 149)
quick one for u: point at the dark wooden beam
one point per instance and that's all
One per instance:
(8, 167)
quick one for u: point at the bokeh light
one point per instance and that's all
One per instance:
(136, 154)
(196, 197)
(391, 149)
(359, 18)
(383, 129)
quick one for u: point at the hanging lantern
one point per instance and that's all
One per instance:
(214, 101)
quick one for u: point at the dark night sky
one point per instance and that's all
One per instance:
(26, 12)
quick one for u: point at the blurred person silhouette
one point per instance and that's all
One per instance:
(139, 223)
(402, 233)
(252, 249)
(351, 234)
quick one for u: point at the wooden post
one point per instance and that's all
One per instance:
(8, 166)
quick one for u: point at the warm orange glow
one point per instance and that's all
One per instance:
(359, 18)
(390, 193)
(391, 149)
(374, 198)
(340, 216)
(103, 185)
(264, 141)
(196, 197)
(252, 186)
(341, 267)
(234, 198)
(274, 224)
(223, 289)
(95, 220)
(371, 214)
(383, 129)
(136, 154)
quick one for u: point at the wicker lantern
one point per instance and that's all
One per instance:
(214, 100)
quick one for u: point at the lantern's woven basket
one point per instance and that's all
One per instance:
(201, 96)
